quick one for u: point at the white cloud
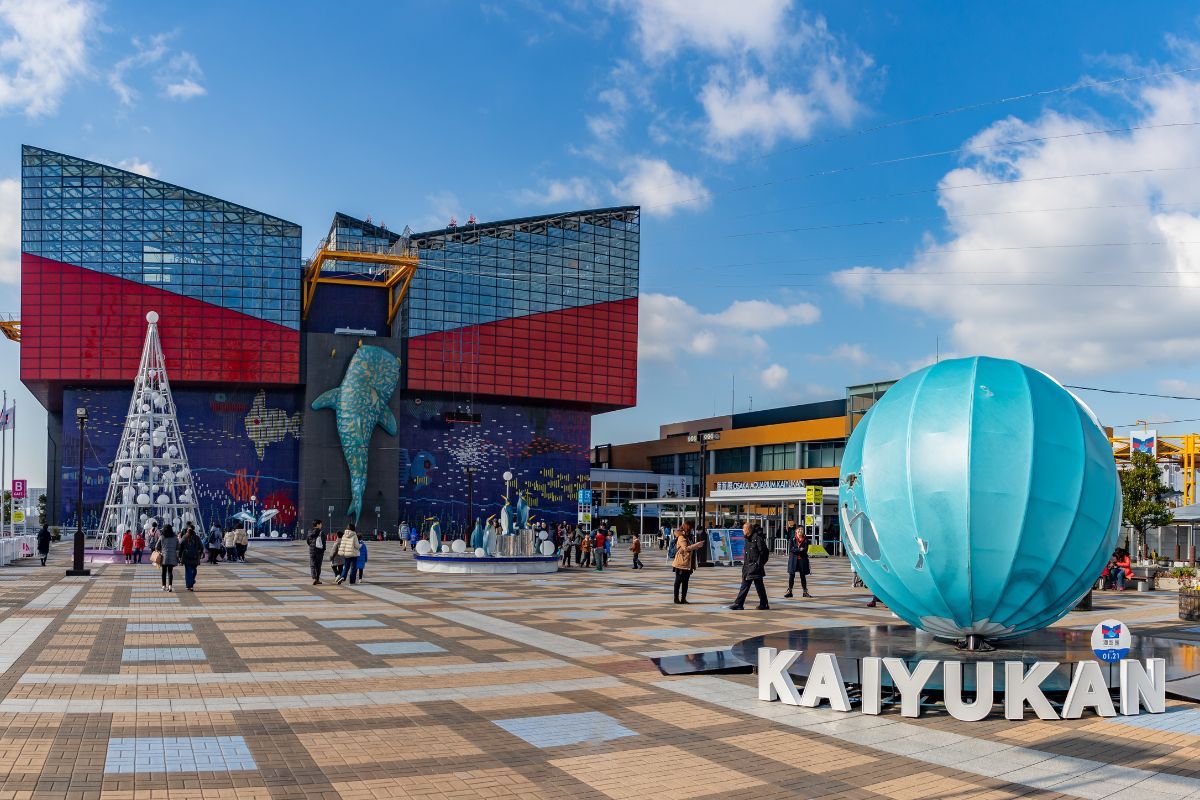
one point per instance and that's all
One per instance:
(659, 189)
(1006, 294)
(181, 79)
(570, 191)
(774, 376)
(443, 206)
(43, 49)
(10, 230)
(669, 327)
(135, 164)
(664, 27)
(764, 315)
(854, 353)
(178, 75)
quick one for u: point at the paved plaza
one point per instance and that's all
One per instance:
(260, 685)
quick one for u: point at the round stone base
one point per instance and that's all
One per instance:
(470, 564)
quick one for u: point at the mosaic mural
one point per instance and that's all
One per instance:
(240, 445)
(546, 449)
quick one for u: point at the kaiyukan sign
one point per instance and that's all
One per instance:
(1142, 685)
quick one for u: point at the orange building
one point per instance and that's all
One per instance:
(801, 442)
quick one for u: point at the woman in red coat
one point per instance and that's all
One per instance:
(127, 547)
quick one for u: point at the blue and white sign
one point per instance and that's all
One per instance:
(585, 497)
(1110, 640)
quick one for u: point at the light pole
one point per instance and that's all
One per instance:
(77, 568)
(702, 524)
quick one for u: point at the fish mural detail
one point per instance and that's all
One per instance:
(361, 403)
(266, 426)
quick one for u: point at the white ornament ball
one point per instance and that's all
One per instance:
(145, 450)
(145, 425)
(128, 494)
(423, 547)
(143, 517)
(547, 548)
(172, 451)
(151, 316)
(143, 500)
(543, 535)
(145, 408)
(138, 470)
(125, 472)
(445, 548)
(459, 546)
(163, 499)
(479, 552)
(183, 472)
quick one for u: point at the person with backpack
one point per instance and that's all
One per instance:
(635, 547)
(754, 568)
(683, 560)
(316, 550)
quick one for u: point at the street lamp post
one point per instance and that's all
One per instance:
(702, 523)
(77, 568)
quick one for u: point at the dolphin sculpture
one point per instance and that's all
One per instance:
(361, 403)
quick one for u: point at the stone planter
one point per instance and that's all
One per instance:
(1189, 604)
(1168, 584)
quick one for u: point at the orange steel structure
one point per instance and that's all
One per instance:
(397, 267)
(1181, 450)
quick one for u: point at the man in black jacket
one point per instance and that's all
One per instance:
(754, 568)
(316, 550)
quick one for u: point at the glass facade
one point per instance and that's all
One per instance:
(734, 459)
(776, 456)
(663, 465)
(542, 308)
(822, 454)
(139, 229)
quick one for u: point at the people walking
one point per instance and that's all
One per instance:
(347, 548)
(43, 543)
(635, 547)
(152, 533)
(683, 561)
(139, 547)
(568, 545)
(754, 568)
(167, 548)
(598, 549)
(230, 543)
(798, 563)
(360, 562)
(316, 550)
(241, 543)
(191, 553)
(214, 543)
(585, 547)
(127, 546)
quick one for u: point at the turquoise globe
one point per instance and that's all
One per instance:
(979, 496)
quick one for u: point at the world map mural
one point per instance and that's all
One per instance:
(239, 444)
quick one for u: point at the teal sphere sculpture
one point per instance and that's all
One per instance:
(978, 496)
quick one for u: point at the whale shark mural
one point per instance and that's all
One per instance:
(361, 403)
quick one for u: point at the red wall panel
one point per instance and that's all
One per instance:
(581, 355)
(80, 325)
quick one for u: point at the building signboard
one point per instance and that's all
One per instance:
(19, 488)
(750, 486)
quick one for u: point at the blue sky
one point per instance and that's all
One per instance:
(832, 192)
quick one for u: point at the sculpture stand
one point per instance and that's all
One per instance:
(975, 643)
(512, 554)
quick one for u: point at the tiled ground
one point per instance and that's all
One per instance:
(260, 686)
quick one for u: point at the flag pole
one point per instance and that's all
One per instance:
(3, 457)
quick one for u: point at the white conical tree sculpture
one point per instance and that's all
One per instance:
(150, 478)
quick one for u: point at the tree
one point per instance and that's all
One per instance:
(1144, 495)
(628, 515)
(41, 506)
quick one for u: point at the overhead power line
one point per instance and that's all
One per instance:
(1136, 394)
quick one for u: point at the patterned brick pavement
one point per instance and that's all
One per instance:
(260, 685)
